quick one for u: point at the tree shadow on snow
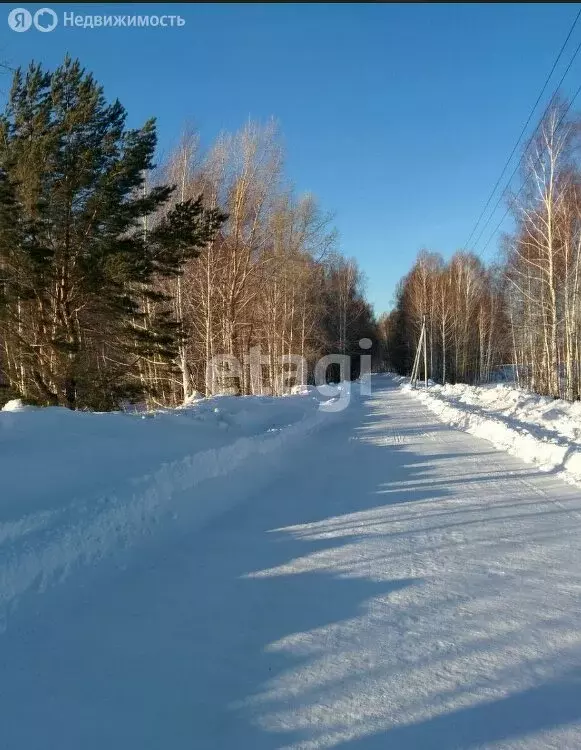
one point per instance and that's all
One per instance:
(554, 704)
(197, 646)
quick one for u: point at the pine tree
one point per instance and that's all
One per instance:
(76, 264)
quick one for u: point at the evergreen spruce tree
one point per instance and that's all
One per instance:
(77, 268)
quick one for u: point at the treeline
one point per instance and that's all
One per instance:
(120, 280)
(465, 322)
(271, 278)
(524, 312)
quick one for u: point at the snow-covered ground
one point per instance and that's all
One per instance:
(373, 579)
(78, 486)
(540, 430)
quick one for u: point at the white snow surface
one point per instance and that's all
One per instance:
(16, 404)
(540, 430)
(365, 579)
(77, 486)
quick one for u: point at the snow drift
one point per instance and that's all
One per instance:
(538, 429)
(77, 486)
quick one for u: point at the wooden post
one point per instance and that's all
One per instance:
(425, 352)
(421, 350)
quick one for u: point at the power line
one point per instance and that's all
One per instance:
(488, 241)
(530, 140)
(522, 132)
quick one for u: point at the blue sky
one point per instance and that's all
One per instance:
(398, 117)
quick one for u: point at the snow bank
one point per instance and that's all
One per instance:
(540, 430)
(16, 404)
(77, 486)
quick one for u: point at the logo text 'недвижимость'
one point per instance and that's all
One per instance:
(46, 19)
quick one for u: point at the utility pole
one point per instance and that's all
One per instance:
(425, 351)
(422, 349)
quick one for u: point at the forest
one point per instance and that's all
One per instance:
(121, 278)
(522, 313)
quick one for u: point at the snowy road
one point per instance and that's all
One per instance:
(397, 584)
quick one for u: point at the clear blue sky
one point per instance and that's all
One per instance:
(398, 117)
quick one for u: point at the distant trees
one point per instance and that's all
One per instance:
(527, 311)
(122, 281)
(271, 283)
(465, 320)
